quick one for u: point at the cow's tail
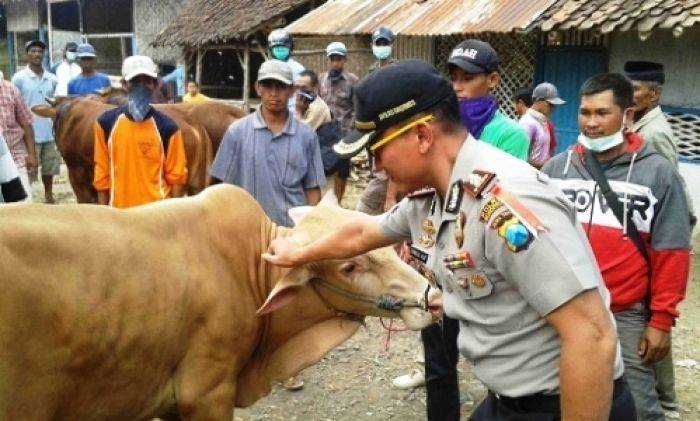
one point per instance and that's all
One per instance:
(199, 178)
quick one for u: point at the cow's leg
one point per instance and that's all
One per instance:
(81, 183)
(215, 404)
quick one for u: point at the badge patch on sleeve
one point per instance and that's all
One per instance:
(477, 182)
(516, 235)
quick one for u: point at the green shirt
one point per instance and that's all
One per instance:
(506, 135)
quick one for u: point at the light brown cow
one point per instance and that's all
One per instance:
(109, 314)
(74, 120)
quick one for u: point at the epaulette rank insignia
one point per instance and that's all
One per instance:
(515, 223)
(421, 193)
(477, 182)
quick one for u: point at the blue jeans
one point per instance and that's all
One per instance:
(631, 323)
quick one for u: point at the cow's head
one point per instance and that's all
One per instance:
(377, 283)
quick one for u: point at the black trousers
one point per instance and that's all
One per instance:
(546, 408)
(441, 354)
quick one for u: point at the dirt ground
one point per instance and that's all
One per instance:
(353, 382)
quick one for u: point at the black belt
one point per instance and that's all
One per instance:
(546, 403)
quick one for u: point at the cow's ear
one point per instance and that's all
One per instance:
(286, 290)
(44, 110)
(298, 213)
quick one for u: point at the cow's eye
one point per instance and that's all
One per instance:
(348, 268)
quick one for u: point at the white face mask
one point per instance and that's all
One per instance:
(381, 52)
(602, 144)
(70, 56)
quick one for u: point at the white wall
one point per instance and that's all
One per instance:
(678, 55)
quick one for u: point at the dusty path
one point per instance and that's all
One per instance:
(353, 382)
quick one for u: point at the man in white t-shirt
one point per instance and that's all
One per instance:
(66, 69)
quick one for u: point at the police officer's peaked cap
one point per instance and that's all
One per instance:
(390, 95)
(646, 71)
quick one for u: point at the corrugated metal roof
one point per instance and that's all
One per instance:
(620, 15)
(419, 17)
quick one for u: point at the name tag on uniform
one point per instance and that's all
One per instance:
(419, 254)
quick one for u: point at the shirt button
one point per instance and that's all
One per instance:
(441, 245)
(449, 289)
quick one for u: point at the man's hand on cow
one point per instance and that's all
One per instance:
(283, 252)
(654, 345)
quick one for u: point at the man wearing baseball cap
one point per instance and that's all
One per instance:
(270, 153)
(337, 86)
(139, 151)
(532, 309)
(473, 67)
(536, 122)
(88, 81)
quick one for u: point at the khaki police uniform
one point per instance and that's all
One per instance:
(507, 250)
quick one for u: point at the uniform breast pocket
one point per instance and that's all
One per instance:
(489, 301)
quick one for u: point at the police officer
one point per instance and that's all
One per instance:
(499, 239)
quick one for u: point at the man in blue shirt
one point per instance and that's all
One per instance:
(270, 153)
(35, 84)
(89, 81)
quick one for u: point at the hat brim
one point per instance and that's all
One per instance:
(275, 77)
(467, 66)
(86, 55)
(336, 53)
(353, 143)
(556, 101)
(140, 73)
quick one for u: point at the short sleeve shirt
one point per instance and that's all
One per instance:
(82, 85)
(35, 89)
(506, 135)
(274, 169)
(501, 296)
(535, 125)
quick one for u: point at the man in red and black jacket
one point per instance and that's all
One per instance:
(644, 293)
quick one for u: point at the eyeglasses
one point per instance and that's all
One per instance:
(373, 148)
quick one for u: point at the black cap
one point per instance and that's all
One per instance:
(71, 46)
(34, 43)
(645, 71)
(383, 33)
(390, 95)
(474, 56)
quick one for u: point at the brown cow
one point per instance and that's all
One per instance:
(73, 123)
(109, 314)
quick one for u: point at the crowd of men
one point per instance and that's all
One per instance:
(561, 271)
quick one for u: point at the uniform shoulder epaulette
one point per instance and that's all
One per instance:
(427, 192)
(477, 182)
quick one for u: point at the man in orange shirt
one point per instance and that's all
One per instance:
(139, 152)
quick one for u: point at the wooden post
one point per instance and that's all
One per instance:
(50, 25)
(198, 68)
(246, 77)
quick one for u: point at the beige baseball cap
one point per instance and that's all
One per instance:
(138, 65)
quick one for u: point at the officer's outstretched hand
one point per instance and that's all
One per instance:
(654, 345)
(283, 252)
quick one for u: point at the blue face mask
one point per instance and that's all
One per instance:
(281, 52)
(381, 52)
(139, 102)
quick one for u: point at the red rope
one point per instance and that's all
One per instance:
(389, 329)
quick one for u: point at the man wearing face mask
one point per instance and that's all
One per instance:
(139, 152)
(281, 45)
(473, 67)
(635, 214)
(66, 69)
(382, 39)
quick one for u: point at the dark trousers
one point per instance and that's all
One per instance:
(546, 407)
(441, 354)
